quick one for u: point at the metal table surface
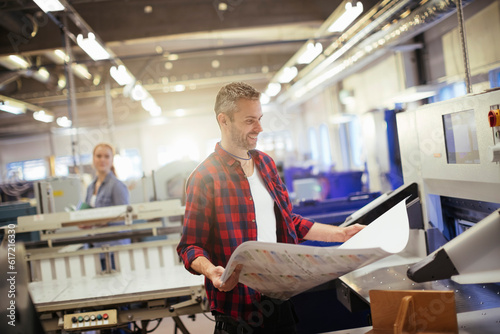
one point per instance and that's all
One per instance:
(477, 305)
(114, 288)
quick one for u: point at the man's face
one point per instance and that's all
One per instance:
(245, 126)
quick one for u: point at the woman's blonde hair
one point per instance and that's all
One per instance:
(113, 152)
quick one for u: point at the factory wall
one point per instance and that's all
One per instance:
(351, 108)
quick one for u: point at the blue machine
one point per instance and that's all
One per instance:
(333, 211)
(334, 184)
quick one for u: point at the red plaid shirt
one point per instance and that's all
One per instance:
(220, 215)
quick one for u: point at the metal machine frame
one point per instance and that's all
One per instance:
(473, 180)
(142, 281)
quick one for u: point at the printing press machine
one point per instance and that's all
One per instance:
(450, 154)
(75, 288)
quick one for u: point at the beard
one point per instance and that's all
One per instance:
(241, 140)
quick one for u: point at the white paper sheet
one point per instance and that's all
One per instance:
(284, 270)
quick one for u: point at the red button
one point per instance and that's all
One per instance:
(105, 316)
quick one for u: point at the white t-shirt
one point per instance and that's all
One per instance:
(264, 208)
(92, 200)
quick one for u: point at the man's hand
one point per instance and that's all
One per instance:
(202, 265)
(350, 231)
(215, 273)
(331, 233)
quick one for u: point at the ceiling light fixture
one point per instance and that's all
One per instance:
(310, 53)
(18, 60)
(121, 75)
(350, 14)
(139, 93)
(288, 74)
(61, 55)
(81, 71)
(42, 75)
(92, 47)
(49, 5)
(61, 82)
(179, 88)
(273, 89)
(14, 62)
(264, 98)
(173, 57)
(215, 63)
(43, 116)
(12, 107)
(64, 122)
(149, 104)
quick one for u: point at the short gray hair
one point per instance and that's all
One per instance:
(229, 95)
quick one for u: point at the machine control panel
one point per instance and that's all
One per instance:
(90, 320)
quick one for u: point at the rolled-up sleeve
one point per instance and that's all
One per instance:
(197, 218)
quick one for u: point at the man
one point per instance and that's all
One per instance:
(236, 195)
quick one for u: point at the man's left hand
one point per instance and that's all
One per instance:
(350, 231)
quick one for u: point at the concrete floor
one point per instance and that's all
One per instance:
(201, 325)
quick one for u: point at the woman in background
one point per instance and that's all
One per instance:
(106, 189)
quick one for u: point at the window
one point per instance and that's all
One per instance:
(450, 91)
(128, 164)
(326, 154)
(494, 76)
(29, 170)
(313, 144)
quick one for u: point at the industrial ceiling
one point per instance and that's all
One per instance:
(181, 51)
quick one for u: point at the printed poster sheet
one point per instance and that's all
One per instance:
(284, 270)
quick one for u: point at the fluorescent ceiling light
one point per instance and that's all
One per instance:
(42, 75)
(63, 122)
(92, 47)
(61, 82)
(61, 55)
(310, 53)
(121, 75)
(49, 5)
(14, 62)
(150, 105)
(350, 14)
(179, 88)
(43, 116)
(139, 93)
(264, 98)
(81, 71)
(12, 107)
(288, 74)
(155, 112)
(19, 61)
(180, 112)
(273, 89)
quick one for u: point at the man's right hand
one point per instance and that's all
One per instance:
(202, 265)
(215, 274)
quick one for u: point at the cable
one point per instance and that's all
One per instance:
(206, 316)
(159, 320)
